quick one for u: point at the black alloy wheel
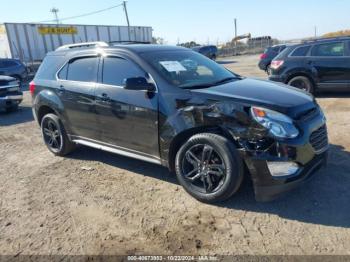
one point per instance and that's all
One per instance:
(209, 167)
(204, 168)
(55, 136)
(52, 135)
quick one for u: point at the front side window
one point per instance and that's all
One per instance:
(83, 69)
(117, 70)
(301, 51)
(330, 49)
(187, 69)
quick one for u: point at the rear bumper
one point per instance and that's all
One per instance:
(11, 100)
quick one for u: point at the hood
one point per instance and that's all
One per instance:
(272, 95)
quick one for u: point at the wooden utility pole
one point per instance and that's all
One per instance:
(127, 18)
(55, 10)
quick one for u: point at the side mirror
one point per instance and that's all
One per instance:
(139, 83)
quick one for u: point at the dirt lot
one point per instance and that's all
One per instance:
(94, 202)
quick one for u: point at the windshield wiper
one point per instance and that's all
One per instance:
(206, 85)
(223, 81)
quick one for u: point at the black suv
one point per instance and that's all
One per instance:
(269, 54)
(210, 51)
(174, 107)
(322, 64)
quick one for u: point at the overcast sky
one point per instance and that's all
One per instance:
(199, 20)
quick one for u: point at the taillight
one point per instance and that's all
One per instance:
(263, 56)
(275, 64)
(32, 87)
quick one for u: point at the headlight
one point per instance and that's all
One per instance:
(279, 125)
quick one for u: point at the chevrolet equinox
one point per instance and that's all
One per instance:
(174, 107)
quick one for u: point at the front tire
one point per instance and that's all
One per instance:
(303, 83)
(209, 167)
(55, 136)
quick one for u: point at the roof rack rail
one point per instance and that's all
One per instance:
(326, 38)
(81, 45)
(127, 42)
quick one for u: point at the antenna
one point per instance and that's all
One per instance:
(55, 10)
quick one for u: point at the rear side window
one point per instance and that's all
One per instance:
(330, 49)
(63, 73)
(116, 70)
(49, 67)
(83, 69)
(301, 51)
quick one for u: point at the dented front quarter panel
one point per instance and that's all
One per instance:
(196, 112)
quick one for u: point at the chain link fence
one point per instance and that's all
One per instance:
(250, 47)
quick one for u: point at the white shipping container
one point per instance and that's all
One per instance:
(31, 42)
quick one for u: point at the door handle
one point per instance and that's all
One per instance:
(104, 97)
(61, 89)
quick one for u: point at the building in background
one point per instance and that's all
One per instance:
(30, 42)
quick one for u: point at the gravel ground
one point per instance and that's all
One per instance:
(93, 202)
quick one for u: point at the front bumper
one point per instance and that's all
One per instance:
(268, 188)
(301, 150)
(11, 100)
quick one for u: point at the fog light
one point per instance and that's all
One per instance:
(281, 169)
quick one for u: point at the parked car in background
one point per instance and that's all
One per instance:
(10, 93)
(174, 107)
(269, 54)
(14, 68)
(317, 65)
(210, 51)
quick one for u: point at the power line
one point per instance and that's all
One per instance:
(83, 15)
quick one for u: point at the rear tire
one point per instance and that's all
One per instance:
(303, 83)
(55, 137)
(209, 167)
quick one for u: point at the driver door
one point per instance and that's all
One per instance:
(128, 118)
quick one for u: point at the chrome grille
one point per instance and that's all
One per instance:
(319, 139)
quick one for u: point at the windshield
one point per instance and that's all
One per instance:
(188, 69)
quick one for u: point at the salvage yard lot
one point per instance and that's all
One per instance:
(94, 202)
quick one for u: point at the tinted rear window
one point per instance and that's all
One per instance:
(301, 51)
(284, 53)
(49, 67)
(83, 69)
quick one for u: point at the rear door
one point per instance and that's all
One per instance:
(128, 118)
(331, 64)
(76, 83)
